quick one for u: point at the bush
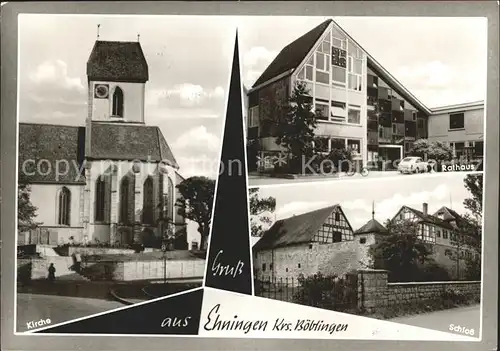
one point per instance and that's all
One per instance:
(473, 268)
(433, 271)
(328, 292)
(336, 160)
(453, 298)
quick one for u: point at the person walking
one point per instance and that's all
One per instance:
(52, 272)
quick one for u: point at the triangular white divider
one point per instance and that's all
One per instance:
(227, 314)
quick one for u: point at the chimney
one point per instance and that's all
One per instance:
(424, 208)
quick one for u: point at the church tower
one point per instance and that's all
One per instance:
(117, 73)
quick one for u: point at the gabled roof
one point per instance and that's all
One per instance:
(118, 61)
(294, 53)
(429, 218)
(372, 226)
(53, 148)
(294, 230)
(451, 215)
(129, 142)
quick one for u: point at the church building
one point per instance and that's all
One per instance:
(112, 180)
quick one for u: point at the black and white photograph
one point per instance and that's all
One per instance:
(362, 97)
(119, 133)
(406, 250)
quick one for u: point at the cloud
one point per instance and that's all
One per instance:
(258, 55)
(56, 73)
(186, 95)
(200, 165)
(434, 74)
(198, 138)
(299, 207)
(388, 207)
(255, 61)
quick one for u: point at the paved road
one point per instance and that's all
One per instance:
(33, 307)
(468, 317)
(254, 180)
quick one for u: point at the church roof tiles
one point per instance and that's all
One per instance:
(118, 61)
(50, 146)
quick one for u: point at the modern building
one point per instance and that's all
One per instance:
(444, 230)
(113, 180)
(461, 127)
(362, 106)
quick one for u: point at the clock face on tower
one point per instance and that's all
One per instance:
(101, 91)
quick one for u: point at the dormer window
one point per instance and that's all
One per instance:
(117, 103)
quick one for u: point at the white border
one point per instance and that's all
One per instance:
(215, 193)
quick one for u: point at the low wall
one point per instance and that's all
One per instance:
(37, 268)
(145, 270)
(89, 251)
(376, 294)
(135, 270)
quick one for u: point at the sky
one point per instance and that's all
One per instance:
(189, 65)
(442, 61)
(356, 197)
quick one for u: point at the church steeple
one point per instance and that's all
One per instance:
(117, 72)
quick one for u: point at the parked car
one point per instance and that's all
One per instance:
(413, 165)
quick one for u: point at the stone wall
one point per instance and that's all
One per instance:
(311, 258)
(375, 294)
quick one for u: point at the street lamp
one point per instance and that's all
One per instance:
(165, 246)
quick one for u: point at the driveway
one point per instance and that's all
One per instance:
(256, 180)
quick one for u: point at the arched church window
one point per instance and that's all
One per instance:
(118, 102)
(64, 206)
(124, 200)
(170, 208)
(148, 202)
(100, 199)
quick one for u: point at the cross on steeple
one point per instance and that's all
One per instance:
(98, 27)
(138, 37)
(373, 209)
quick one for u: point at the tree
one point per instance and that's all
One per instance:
(258, 208)
(26, 212)
(401, 252)
(473, 225)
(196, 203)
(474, 184)
(295, 131)
(431, 150)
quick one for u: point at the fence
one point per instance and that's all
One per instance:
(335, 293)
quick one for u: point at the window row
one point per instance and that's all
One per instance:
(332, 65)
(127, 201)
(337, 111)
(327, 144)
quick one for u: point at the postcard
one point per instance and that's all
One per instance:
(227, 179)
